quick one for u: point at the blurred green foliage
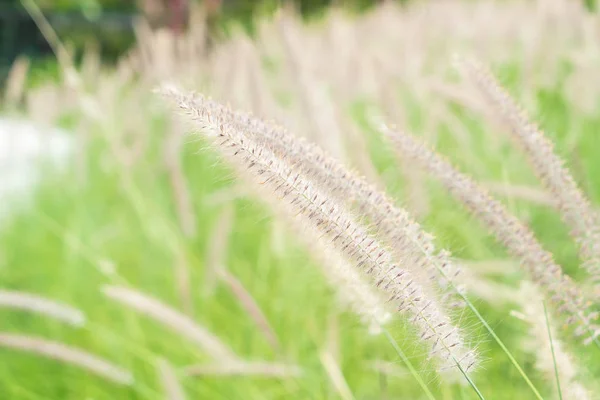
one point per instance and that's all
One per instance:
(108, 23)
(237, 8)
(64, 5)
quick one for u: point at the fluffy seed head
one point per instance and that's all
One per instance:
(509, 231)
(576, 210)
(298, 193)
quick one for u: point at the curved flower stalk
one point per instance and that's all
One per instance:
(173, 319)
(509, 231)
(247, 302)
(392, 225)
(41, 305)
(571, 202)
(67, 354)
(280, 178)
(353, 291)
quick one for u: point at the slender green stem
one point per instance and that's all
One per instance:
(491, 331)
(409, 365)
(475, 388)
(496, 338)
(552, 348)
(503, 347)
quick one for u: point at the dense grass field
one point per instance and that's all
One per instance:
(114, 216)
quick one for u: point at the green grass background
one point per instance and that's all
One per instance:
(57, 246)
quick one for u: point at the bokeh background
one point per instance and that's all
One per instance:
(180, 282)
(110, 23)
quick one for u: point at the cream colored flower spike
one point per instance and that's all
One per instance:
(279, 176)
(570, 201)
(508, 230)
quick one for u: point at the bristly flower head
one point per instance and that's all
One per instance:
(391, 224)
(576, 210)
(276, 173)
(509, 231)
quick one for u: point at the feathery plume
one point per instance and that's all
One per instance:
(509, 231)
(41, 305)
(325, 215)
(67, 354)
(575, 208)
(353, 291)
(392, 224)
(172, 319)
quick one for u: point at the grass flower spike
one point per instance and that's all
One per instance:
(70, 355)
(575, 208)
(279, 176)
(390, 223)
(509, 231)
